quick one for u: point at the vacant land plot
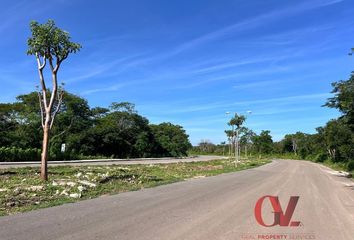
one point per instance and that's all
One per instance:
(22, 190)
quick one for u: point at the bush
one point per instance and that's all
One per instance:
(321, 157)
(350, 166)
(13, 154)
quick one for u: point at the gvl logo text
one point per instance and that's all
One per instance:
(280, 218)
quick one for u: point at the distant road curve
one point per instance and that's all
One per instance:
(112, 161)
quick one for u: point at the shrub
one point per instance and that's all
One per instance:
(12, 154)
(350, 166)
(321, 157)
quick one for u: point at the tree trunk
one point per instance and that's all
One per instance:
(294, 146)
(332, 153)
(48, 109)
(236, 149)
(44, 155)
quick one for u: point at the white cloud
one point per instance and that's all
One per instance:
(105, 89)
(252, 23)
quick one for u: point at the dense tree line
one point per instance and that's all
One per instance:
(334, 141)
(117, 131)
(251, 144)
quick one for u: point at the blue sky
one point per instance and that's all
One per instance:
(189, 62)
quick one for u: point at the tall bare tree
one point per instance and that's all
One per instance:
(230, 138)
(236, 124)
(246, 139)
(294, 145)
(49, 44)
(223, 147)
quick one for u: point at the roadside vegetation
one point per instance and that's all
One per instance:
(114, 132)
(332, 145)
(22, 190)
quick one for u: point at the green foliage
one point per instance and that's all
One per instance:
(321, 157)
(7, 123)
(49, 41)
(339, 140)
(19, 126)
(13, 154)
(246, 136)
(343, 99)
(172, 140)
(263, 142)
(206, 147)
(350, 166)
(237, 121)
(122, 134)
(123, 107)
(119, 132)
(333, 141)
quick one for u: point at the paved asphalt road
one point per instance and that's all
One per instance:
(111, 161)
(219, 207)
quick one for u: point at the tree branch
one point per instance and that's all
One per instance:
(41, 65)
(60, 100)
(51, 65)
(41, 107)
(41, 78)
(54, 91)
(58, 135)
(63, 58)
(59, 61)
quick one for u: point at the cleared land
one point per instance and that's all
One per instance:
(22, 190)
(166, 160)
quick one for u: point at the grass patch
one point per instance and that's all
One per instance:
(342, 167)
(22, 190)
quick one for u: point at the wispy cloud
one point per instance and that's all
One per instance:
(258, 84)
(112, 88)
(330, 2)
(247, 24)
(105, 68)
(274, 82)
(252, 23)
(288, 99)
(21, 10)
(11, 15)
(242, 62)
(116, 67)
(199, 81)
(183, 108)
(280, 110)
